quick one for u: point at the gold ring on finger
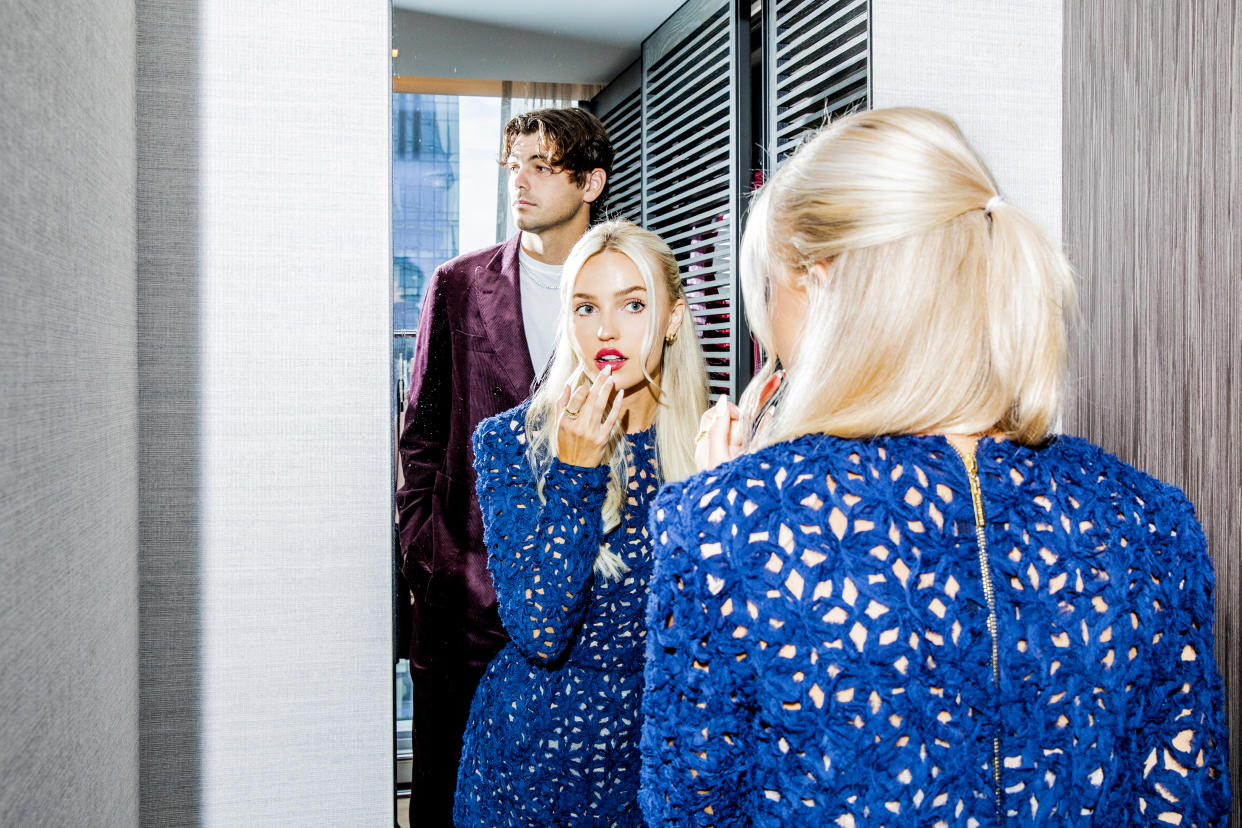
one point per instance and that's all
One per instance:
(573, 415)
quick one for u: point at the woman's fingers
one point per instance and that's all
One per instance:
(736, 431)
(704, 455)
(571, 408)
(583, 437)
(720, 438)
(595, 409)
(614, 415)
(607, 402)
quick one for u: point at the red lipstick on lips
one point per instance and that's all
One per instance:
(606, 357)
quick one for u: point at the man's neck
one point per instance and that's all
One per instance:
(552, 246)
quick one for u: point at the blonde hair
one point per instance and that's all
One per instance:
(681, 393)
(940, 309)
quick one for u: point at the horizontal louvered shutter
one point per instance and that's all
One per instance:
(818, 58)
(619, 106)
(695, 72)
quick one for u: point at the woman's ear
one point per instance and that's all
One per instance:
(819, 272)
(675, 318)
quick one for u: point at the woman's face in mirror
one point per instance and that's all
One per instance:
(611, 314)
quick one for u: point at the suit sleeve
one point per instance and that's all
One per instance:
(697, 722)
(541, 555)
(424, 439)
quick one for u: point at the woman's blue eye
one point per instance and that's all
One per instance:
(584, 309)
(635, 306)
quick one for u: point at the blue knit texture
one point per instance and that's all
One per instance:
(554, 727)
(819, 651)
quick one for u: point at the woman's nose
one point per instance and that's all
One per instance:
(606, 328)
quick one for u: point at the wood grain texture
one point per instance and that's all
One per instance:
(1153, 223)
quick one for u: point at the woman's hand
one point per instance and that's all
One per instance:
(587, 420)
(720, 435)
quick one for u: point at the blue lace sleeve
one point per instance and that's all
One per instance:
(695, 755)
(540, 554)
(1180, 743)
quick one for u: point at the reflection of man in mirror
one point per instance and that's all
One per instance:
(487, 325)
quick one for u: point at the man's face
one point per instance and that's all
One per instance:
(542, 197)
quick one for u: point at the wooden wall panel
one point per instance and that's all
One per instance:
(1153, 222)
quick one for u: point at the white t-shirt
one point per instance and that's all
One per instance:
(541, 307)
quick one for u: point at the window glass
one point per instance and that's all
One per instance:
(449, 196)
(446, 194)
(445, 198)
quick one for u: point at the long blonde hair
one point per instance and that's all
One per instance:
(681, 393)
(940, 307)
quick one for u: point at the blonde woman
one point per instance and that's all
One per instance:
(910, 602)
(564, 481)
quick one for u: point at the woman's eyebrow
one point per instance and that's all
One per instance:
(626, 292)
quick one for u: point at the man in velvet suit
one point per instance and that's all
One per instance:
(486, 329)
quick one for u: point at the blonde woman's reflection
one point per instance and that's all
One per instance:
(564, 481)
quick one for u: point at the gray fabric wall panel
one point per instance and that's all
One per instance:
(68, 484)
(264, 307)
(1153, 178)
(170, 621)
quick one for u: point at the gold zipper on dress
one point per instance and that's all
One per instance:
(989, 593)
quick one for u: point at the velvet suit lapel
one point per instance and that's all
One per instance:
(500, 305)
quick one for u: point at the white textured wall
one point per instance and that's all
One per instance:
(995, 67)
(438, 46)
(68, 416)
(265, 278)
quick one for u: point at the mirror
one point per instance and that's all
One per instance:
(818, 65)
(457, 80)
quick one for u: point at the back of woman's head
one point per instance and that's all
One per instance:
(938, 307)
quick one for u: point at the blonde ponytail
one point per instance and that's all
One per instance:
(942, 307)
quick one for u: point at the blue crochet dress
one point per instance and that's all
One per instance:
(837, 636)
(554, 727)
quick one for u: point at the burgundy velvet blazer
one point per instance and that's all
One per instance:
(470, 361)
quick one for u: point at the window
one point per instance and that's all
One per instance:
(449, 196)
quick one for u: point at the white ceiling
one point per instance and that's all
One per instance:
(625, 23)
